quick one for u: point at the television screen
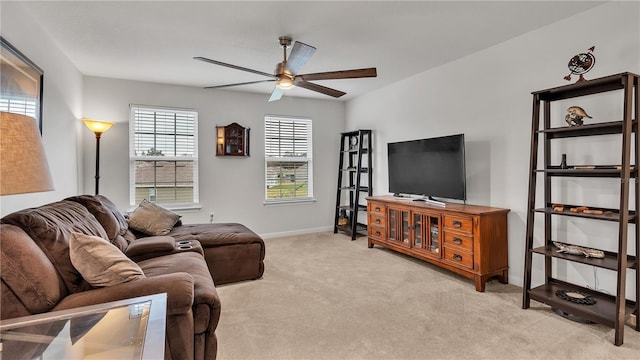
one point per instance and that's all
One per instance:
(431, 167)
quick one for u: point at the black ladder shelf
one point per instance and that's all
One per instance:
(354, 145)
(610, 310)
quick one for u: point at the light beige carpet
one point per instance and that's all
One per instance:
(324, 296)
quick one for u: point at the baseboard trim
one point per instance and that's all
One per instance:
(296, 232)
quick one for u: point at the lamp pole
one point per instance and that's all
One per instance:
(98, 134)
(98, 127)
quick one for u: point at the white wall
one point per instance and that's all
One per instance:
(233, 188)
(62, 106)
(487, 96)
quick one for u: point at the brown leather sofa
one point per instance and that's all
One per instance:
(38, 276)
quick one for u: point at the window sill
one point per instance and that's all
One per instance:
(173, 207)
(288, 202)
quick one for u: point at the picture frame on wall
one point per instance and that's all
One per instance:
(21, 83)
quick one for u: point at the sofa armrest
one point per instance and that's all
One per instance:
(178, 286)
(152, 246)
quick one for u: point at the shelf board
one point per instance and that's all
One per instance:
(355, 133)
(362, 170)
(589, 87)
(610, 260)
(610, 171)
(602, 312)
(360, 229)
(353, 188)
(349, 207)
(609, 214)
(605, 128)
(354, 151)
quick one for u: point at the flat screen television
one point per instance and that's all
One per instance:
(432, 167)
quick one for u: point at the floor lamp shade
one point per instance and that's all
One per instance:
(23, 163)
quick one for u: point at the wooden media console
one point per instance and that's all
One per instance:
(469, 240)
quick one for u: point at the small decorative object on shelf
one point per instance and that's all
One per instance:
(575, 116)
(232, 140)
(580, 64)
(563, 163)
(353, 143)
(577, 297)
(578, 250)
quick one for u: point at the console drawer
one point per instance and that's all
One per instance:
(455, 239)
(377, 231)
(377, 219)
(458, 223)
(376, 208)
(458, 258)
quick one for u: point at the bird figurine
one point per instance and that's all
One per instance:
(575, 115)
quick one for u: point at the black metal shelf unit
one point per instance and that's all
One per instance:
(610, 310)
(354, 165)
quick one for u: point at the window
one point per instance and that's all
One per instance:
(163, 156)
(288, 159)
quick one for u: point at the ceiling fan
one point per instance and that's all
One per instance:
(286, 73)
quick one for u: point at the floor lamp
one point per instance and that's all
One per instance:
(98, 127)
(23, 164)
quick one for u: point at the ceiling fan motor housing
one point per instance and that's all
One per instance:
(285, 77)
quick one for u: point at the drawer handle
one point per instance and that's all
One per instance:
(457, 240)
(457, 224)
(378, 233)
(377, 209)
(457, 257)
(377, 221)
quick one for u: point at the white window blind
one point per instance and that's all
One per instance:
(163, 155)
(288, 159)
(18, 106)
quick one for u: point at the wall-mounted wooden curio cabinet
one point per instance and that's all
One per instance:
(232, 140)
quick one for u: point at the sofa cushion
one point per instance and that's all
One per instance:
(122, 222)
(106, 217)
(152, 219)
(50, 227)
(102, 214)
(27, 272)
(101, 263)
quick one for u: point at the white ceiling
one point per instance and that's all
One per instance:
(156, 40)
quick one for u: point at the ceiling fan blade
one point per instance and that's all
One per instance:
(343, 74)
(299, 55)
(319, 88)
(276, 94)
(233, 66)
(243, 83)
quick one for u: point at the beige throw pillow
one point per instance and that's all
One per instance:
(152, 219)
(101, 263)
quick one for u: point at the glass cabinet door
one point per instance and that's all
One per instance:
(418, 237)
(434, 235)
(399, 227)
(405, 227)
(393, 223)
(426, 233)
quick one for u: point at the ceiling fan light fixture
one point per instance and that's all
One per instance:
(284, 83)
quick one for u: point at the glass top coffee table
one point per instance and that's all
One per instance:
(126, 329)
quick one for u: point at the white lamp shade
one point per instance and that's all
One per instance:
(23, 163)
